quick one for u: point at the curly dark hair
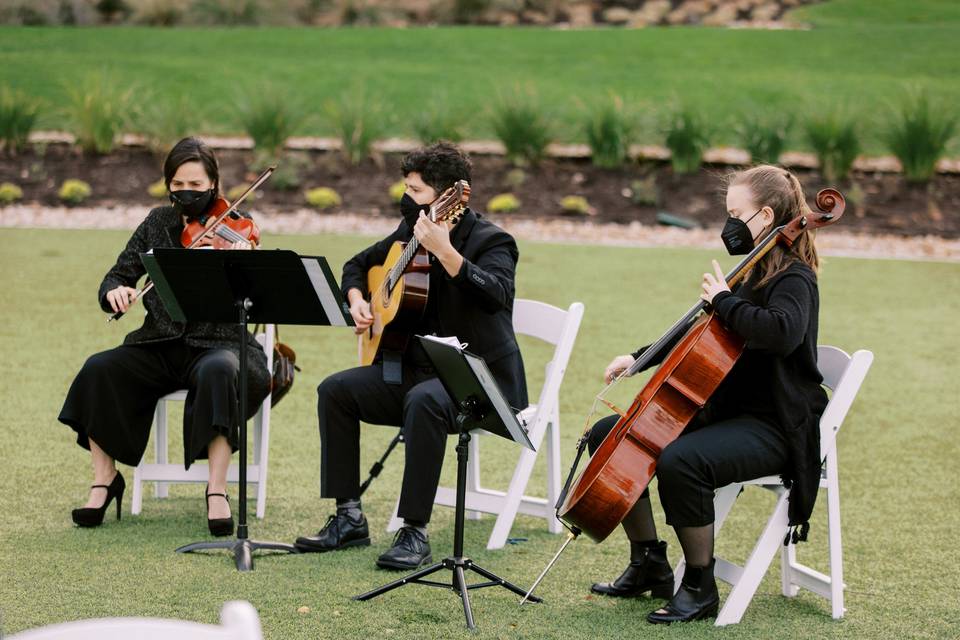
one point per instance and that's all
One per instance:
(440, 165)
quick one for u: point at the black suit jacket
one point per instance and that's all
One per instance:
(476, 305)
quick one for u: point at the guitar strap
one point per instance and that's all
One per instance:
(392, 364)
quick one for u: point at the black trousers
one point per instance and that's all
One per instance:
(705, 458)
(419, 406)
(112, 399)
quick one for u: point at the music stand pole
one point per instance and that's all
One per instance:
(457, 564)
(242, 548)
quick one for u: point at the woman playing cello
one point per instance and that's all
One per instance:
(762, 419)
(111, 401)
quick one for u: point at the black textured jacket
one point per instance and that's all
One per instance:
(476, 305)
(162, 228)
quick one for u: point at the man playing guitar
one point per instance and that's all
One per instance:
(471, 270)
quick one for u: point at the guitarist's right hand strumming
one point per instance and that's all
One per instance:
(360, 311)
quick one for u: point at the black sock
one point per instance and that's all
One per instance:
(349, 507)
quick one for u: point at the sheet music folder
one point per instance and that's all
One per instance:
(463, 373)
(286, 288)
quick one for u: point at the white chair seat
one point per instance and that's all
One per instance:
(238, 621)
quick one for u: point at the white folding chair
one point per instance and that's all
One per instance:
(238, 621)
(558, 327)
(163, 472)
(843, 374)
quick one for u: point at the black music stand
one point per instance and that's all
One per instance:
(235, 286)
(472, 387)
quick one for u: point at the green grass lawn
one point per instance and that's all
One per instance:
(861, 53)
(898, 453)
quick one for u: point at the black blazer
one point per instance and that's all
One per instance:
(476, 305)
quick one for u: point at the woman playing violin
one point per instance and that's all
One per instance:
(762, 420)
(111, 402)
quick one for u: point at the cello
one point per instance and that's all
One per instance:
(704, 352)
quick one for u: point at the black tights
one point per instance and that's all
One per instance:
(696, 542)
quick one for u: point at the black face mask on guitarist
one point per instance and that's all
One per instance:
(410, 210)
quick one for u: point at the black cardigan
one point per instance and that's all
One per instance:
(779, 322)
(476, 305)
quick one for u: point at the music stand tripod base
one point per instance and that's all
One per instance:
(242, 549)
(457, 563)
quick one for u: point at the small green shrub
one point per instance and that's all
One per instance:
(358, 122)
(98, 110)
(439, 121)
(74, 191)
(918, 135)
(227, 12)
(158, 189)
(397, 189)
(503, 203)
(163, 123)
(644, 191)
(836, 142)
(18, 115)
(9, 193)
(577, 205)
(269, 116)
(323, 198)
(609, 130)
(521, 125)
(515, 178)
(764, 136)
(687, 137)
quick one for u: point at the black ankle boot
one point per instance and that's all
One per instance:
(696, 599)
(648, 570)
(93, 516)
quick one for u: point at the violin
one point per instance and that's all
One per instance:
(231, 229)
(227, 228)
(704, 353)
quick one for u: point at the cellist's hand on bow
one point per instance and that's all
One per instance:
(617, 366)
(713, 283)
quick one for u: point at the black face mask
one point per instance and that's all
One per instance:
(192, 204)
(736, 235)
(410, 210)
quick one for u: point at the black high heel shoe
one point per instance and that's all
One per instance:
(93, 516)
(218, 526)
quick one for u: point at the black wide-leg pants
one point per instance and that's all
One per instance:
(113, 397)
(420, 406)
(706, 458)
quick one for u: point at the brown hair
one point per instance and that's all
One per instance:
(780, 190)
(191, 150)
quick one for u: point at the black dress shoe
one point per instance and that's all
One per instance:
(93, 516)
(696, 599)
(410, 550)
(339, 532)
(648, 570)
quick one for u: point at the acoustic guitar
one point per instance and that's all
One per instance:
(398, 289)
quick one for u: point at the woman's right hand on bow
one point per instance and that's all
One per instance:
(121, 298)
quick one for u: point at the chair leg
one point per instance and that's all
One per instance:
(757, 565)
(553, 466)
(836, 544)
(788, 560)
(261, 439)
(136, 502)
(473, 474)
(160, 441)
(511, 500)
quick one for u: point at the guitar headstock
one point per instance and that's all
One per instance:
(451, 204)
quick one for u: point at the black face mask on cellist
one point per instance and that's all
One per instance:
(410, 210)
(736, 235)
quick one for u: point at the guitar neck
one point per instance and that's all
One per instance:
(401, 265)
